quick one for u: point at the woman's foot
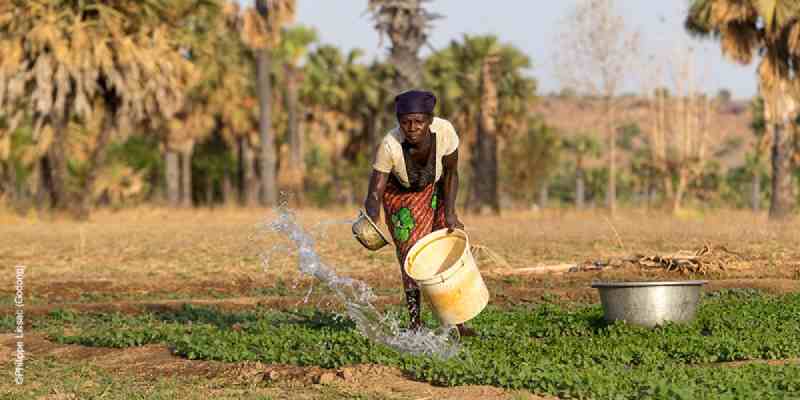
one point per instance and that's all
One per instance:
(414, 312)
(465, 331)
(415, 326)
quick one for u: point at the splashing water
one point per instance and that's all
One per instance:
(357, 297)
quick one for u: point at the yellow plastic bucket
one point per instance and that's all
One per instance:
(443, 266)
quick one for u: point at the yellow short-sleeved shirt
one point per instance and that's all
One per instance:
(389, 156)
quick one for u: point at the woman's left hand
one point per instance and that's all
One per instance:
(452, 222)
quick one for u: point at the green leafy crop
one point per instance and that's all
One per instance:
(569, 352)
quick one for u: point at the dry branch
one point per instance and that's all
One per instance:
(538, 270)
(708, 258)
(703, 260)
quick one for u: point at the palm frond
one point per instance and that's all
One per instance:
(739, 41)
(724, 12)
(793, 39)
(698, 20)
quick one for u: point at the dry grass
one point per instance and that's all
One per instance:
(160, 253)
(213, 257)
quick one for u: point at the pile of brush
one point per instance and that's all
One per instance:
(701, 261)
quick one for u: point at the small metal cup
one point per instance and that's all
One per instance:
(367, 233)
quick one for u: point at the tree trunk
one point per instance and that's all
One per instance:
(173, 172)
(486, 173)
(186, 178)
(41, 172)
(9, 189)
(267, 162)
(782, 200)
(296, 165)
(5, 181)
(544, 195)
(56, 174)
(292, 110)
(611, 192)
(755, 192)
(669, 192)
(209, 191)
(580, 188)
(249, 180)
(158, 192)
(334, 155)
(374, 131)
(96, 161)
(652, 194)
(406, 62)
(680, 190)
(228, 197)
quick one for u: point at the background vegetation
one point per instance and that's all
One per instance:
(205, 103)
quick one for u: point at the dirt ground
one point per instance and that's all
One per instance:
(154, 362)
(156, 259)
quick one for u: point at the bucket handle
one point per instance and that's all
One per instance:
(441, 277)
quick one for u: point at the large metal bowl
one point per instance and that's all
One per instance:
(650, 303)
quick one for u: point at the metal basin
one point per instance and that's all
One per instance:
(650, 303)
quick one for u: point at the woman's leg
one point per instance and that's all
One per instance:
(409, 218)
(413, 302)
(413, 295)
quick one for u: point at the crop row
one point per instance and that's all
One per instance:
(566, 351)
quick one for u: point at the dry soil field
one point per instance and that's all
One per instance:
(158, 259)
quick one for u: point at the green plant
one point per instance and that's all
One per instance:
(569, 352)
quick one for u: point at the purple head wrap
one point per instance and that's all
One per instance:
(414, 101)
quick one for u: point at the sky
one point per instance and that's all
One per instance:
(532, 26)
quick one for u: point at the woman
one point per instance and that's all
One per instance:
(415, 179)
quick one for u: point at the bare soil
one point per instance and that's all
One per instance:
(155, 259)
(156, 361)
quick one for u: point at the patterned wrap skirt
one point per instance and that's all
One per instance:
(410, 215)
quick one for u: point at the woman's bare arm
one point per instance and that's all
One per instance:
(377, 184)
(450, 176)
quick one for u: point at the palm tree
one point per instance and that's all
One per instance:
(582, 146)
(219, 106)
(231, 97)
(347, 100)
(483, 90)
(371, 97)
(529, 159)
(369, 94)
(210, 42)
(262, 32)
(406, 23)
(291, 50)
(192, 124)
(90, 62)
(771, 29)
(754, 157)
(328, 89)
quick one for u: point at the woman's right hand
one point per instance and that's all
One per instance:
(452, 222)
